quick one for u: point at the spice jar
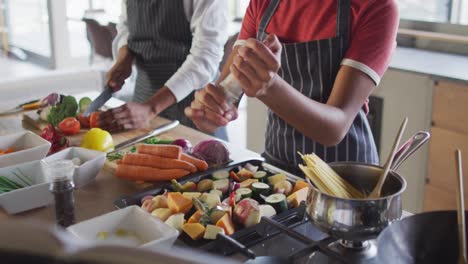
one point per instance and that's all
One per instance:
(60, 173)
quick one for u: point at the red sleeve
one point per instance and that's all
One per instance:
(249, 23)
(373, 39)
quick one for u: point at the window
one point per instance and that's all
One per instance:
(28, 22)
(441, 11)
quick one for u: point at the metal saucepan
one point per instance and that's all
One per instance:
(428, 238)
(362, 219)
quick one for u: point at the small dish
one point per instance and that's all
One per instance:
(30, 197)
(91, 163)
(28, 146)
(147, 230)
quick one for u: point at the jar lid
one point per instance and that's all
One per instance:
(60, 169)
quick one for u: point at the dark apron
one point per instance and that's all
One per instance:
(311, 68)
(160, 38)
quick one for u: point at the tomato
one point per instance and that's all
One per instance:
(69, 126)
(93, 119)
(84, 120)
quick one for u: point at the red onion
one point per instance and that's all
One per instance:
(184, 144)
(212, 151)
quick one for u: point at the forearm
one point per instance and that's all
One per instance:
(124, 55)
(326, 124)
(161, 100)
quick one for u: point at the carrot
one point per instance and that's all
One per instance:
(157, 162)
(200, 164)
(166, 151)
(140, 173)
(9, 150)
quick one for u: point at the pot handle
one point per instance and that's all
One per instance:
(409, 147)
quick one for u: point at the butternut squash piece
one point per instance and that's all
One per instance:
(296, 198)
(178, 203)
(225, 223)
(300, 184)
(195, 218)
(194, 230)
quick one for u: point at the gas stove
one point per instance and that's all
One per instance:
(306, 244)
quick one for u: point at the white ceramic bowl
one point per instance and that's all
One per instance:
(152, 232)
(91, 163)
(34, 196)
(29, 147)
(38, 194)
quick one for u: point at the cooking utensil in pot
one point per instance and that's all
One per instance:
(460, 210)
(376, 192)
(409, 147)
(253, 259)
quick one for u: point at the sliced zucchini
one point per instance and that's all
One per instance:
(217, 192)
(220, 175)
(260, 176)
(278, 201)
(243, 193)
(260, 188)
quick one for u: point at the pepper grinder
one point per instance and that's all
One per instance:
(61, 185)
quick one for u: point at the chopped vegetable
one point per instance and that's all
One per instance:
(220, 175)
(260, 188)
(300, 184)
(195, 218)
(184, 144)
(210, 200)
(194, 230)
(272, 180)
(6, 151)
(191, 195)
(221, 185)
(267, 210)
(93, 119)
(248, 183)
(243, 193)
(160, 201)
(178, 203)
(278, 201)
(57, 139)
(225, 223)
(245, 174)
(97, 139)
(214, 152)
(234, 176)
(44, 113)
(247, 212)
(162, 213)
(212, 231)
(84, 120)
(284, 187)
(149, 205)
(260, 176)
(176, 221)
(7, 185)
(69, 126)
(205, 185)
(297, 197)
(67, 108)
(216, 192)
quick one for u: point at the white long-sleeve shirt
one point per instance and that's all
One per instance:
(209, 26)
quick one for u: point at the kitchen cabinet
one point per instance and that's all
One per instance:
(449, 131)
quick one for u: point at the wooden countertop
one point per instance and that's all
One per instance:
(97, 197)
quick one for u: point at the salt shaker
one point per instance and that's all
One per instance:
(61, 185)
(232, 88)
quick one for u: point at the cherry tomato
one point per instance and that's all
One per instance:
(69, 126)
(93, 119)
(84, 120)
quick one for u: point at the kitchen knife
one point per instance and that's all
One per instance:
(156, 131)
(99, 101)
(32, 105)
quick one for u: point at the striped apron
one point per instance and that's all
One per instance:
(160, 38)
(311, 68)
